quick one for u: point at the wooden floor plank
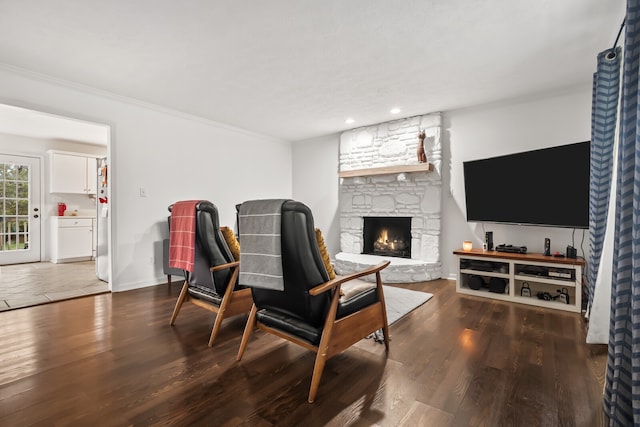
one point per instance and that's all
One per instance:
(113, 359)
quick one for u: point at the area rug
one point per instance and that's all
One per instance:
(400, 301)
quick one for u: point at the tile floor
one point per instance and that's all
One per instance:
(24, 285)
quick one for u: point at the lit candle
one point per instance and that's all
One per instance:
(467, 245)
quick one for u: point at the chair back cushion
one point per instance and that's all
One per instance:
(303, 269)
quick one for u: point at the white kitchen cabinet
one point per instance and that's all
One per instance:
(73, 173)
(71, 239)
(92, 175)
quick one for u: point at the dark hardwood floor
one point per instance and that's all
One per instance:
(113, 360)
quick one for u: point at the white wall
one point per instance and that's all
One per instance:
(316, 183)
(172, 156)
(506, 128)
(37, 147)
(468, 134)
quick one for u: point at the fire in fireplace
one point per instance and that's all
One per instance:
(388, 236)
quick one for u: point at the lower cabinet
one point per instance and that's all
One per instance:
(71, 239)
(533, 279)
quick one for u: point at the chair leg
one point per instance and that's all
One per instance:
(216, 326)
(181, 298)
(318, 368)
(323, 347)
(385, 327)
(385, 331)
(226, 301)
(248, 330)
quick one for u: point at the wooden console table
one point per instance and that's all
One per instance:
(544, 275)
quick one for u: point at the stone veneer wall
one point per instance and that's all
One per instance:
(416, 194)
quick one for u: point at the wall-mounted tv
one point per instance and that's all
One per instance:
(547, 187)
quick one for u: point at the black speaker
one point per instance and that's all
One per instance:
(547, 246)
(488, 240)
(475, 282)
(497, 285)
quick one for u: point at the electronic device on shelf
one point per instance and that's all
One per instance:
(534, 270)
(477, 265)
(488, 240)
(511, 249)
(563, 274)
(546, 296)
(497, 285)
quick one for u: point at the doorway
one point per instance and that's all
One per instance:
(27, 137)
(20, 214)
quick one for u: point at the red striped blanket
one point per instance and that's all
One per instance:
(182, 235)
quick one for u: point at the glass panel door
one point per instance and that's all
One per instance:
(19, 209)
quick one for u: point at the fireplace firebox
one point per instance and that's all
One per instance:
(388, 236)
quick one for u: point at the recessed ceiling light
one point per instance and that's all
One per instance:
(349, 121)
(394, 111)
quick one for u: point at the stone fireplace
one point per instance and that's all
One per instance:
(381, 178)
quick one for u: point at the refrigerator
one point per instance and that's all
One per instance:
(102, 220)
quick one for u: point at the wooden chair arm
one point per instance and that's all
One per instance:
(223, 266)
(331, 284)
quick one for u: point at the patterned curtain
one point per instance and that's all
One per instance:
(604, 108)
(622, 384)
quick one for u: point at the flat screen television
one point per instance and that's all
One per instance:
(546, 187)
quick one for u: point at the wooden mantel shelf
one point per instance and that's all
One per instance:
(421, 167)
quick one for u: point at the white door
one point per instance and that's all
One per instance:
(20, 213)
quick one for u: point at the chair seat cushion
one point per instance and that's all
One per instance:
(358, 294)
(289, 324)
(353, 288)
(204, 293)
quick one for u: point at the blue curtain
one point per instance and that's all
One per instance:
(604, 109)
(622, 383)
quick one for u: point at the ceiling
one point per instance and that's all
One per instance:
(296, 69)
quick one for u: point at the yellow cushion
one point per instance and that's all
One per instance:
(232, 242)
(325, 254)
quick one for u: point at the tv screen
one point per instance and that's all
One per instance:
(547, 187)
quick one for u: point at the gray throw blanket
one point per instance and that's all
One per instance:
(260, 249)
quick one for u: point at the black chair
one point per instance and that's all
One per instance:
(310, 311)
(213, 282)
